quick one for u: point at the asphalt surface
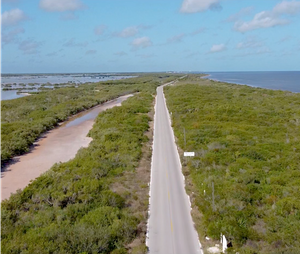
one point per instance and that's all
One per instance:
(170, 225)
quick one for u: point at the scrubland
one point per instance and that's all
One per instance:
(97, 202)
(23, 120)
(245, 176)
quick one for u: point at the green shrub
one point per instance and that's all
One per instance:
(71, 208)
(247, 142)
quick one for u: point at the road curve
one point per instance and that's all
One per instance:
(170, 226)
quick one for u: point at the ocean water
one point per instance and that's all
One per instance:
(277, 80)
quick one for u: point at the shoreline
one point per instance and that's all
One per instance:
(243, 84)
(257, 125)
(25, 94)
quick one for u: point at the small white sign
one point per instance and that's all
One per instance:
(189, 154)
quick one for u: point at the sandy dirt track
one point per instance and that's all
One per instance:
(58, 145)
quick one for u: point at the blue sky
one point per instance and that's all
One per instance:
(50, 36)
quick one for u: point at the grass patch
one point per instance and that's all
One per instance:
(247, 144)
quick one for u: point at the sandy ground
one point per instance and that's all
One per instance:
(26, 94)
(58, 145)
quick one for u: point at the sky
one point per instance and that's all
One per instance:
(75, 36)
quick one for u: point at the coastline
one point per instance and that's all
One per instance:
(250, 84)
(256, 125)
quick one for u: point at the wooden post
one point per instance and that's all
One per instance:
(213, 196)
(184, 138)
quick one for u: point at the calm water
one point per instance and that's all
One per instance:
(9, 95)
(57, 78)
(278, 80)
(16, 80)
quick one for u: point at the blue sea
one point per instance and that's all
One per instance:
(277, 80)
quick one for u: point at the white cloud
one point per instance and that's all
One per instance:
(121, 53)
(250, 42)
(198, 31)
(91, 52)
(285, 7)
(261, 20)
(99, 30)
(11, 36)
(285, 38)
(192, 55)
(61, 5)
(252, 46)
(192, 6)
(30, 46)
(271, 18)
(145, 56)
(263, 50)
(217, 48)
(260, 51)
(71, 43)
(68, 16)
(243, 12)
(176, 38)
(12, 17)
(142, 42)
(145, 27)
(52, 54)
(127, 32)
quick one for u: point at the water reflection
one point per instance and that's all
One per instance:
(9, 95)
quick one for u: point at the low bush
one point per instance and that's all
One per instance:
(71, 208)
(246, 142)
(25, 119)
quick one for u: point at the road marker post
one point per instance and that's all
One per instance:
(188, 154)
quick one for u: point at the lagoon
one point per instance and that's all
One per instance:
(11, 94)
(36, 80)
(57, 78)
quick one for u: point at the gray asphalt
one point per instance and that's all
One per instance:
(170, 226)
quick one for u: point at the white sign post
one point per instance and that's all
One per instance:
(224, 243)
(189, 154)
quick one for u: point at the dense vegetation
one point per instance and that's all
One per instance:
(75, 207)
(25, 119)
(246, 171)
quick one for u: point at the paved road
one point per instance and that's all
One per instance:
(170, 225)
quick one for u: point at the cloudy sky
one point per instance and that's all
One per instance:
(46, 36)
